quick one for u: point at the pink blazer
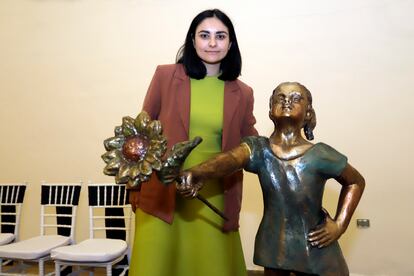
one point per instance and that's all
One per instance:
(168, 100)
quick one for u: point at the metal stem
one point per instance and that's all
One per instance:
(211, 206)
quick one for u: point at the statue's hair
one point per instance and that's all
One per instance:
(309, 124)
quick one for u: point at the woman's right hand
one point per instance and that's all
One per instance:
(133, 198)
(187, 185)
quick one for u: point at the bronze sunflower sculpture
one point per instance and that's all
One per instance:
(137, 150)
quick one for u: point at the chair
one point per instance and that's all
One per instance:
(99, 250)
(57, 223)
(11, 200)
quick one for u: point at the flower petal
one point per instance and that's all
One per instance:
(123, 174)
(114, 143)
(149, 157)
(118, 130)
(155, 129)
(144, 178)
(113, 166)
(109, 155)
(145, 168)
(134, 182)
(157, 165)
(134, 172)
(141, 122)
(154, 160)
(158, 147)
(128, 127)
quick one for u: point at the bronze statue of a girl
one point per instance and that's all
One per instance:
(296, 233)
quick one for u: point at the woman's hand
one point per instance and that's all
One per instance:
(188, 186)
(133, 198)
(329, 232)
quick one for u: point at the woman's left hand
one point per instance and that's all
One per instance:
(187, 185)
(327, 233)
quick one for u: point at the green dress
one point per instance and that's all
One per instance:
(194, 244)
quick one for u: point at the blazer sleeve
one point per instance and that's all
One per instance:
(249, 120)
(152, 101)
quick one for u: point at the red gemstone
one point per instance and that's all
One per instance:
(135, 148)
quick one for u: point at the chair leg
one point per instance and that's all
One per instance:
(57, 268)
(76, 270)
(21, 266)
(108, 270)
(41, 268)
(124, 271)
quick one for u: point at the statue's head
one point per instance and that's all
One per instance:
(292, 99)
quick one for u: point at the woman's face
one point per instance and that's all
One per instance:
(290, 101)
(211, 40)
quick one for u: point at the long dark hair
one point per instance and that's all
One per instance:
(230, 66)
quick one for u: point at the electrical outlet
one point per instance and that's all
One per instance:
(362, 223)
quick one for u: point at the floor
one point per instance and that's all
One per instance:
(255, 273)
(101, 272)
(33, 270)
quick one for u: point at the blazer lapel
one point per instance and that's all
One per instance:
(231, 101)
(182, 86)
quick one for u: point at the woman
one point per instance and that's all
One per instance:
(296, 235)
(200, 95)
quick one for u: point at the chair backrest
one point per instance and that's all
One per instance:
(109, 196)
(58, 208)
(11, 200)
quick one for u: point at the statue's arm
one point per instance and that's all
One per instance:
(226, 163)
(353, 185)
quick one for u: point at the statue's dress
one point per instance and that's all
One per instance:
(194, 244)
(292, 194)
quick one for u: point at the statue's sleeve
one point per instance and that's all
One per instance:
(332, 163)
(252, 142)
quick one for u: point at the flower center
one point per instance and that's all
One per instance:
(135, 148)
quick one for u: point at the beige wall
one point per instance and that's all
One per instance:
(69, 70)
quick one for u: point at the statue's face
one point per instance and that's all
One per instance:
(289, 102)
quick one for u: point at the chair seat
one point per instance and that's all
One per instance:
(91, 250)
(6, 238)
(33, 248)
